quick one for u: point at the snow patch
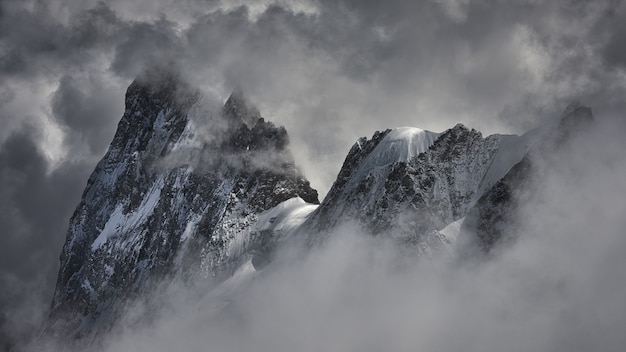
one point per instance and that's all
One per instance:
(123, 223)
(452, 231)
(286, 216)
(511, 150)
(400, 144)
(190, 228)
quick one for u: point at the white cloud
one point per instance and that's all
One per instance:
(330, 71)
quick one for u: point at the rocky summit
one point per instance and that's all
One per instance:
(170, 197)
(196, 191)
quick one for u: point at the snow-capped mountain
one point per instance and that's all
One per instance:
(411, 184)
(190, 190)
(171, 196)
(494, 218)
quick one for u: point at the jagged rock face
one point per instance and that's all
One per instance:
(495, 218)
(495, 215)
(413, 195)
(166, 198)
(238, 108)
(186, 190)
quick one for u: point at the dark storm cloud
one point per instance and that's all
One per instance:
(146, 44)
(615, 53)
(34, 211)
(35, 43)
(335, 71)
(558, 287)
(83, 109)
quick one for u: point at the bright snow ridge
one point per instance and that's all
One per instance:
(400, 144)
(119, 222)
(286, 216)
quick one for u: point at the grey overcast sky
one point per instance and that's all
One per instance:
(329, 71)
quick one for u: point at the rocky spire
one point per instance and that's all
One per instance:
(141, 219)
(239, 109)
(576, 117)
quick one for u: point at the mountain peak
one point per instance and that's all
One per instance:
(400, 144)
(168, 198)
(575, 119)
(158, 89)
(459, 126)
(238, 108)
(571, 107)
(161, 80)
(576, 115)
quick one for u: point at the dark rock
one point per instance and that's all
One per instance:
(144, 217)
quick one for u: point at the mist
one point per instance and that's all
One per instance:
(558, 286)
(330, 72)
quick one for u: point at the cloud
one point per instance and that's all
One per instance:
(559, 287)
(83, 107)
(35, 207)
(330, 71)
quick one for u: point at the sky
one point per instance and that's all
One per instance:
(329, 71)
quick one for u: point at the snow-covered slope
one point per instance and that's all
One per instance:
(173, 196)
(409, 183)
(428, 189)
(399, 145)
(193, 190)
(494, 219)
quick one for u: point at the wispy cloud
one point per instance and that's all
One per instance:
(330, 71)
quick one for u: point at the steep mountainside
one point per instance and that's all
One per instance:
(409, 183)
(195, 190)
(170, 195)
(494, 219)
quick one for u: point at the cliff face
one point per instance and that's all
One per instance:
(411, 184)
(194, 190)
(495, 218)
(170, 196)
